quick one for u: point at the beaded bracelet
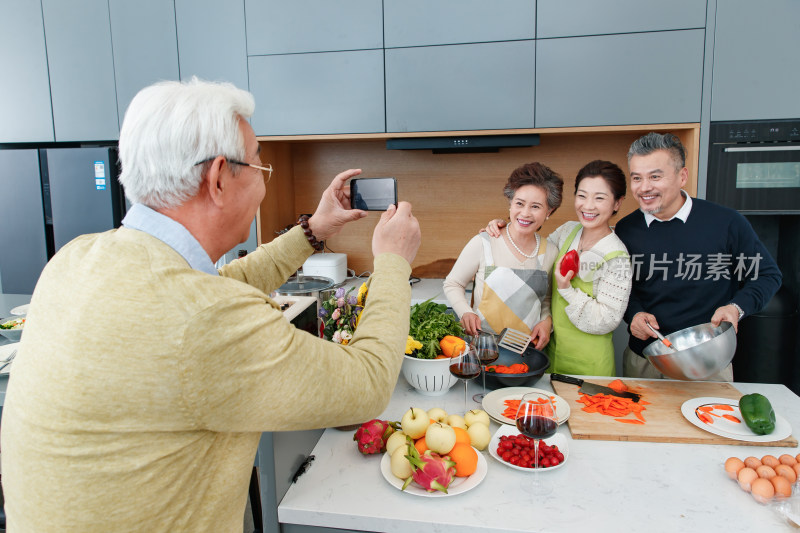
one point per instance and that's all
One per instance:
(303, 223)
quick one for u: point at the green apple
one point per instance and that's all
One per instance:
(479, 435)
(400, 466)
(440, 438)
(456, 421)
(414, 422)
(397, 439)
(438, 414)
(476, 415)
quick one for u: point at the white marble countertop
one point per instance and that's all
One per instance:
(603, 486)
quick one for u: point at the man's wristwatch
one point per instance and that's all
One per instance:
(741, 311)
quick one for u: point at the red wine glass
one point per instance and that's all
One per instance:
(536, 419)
(488, 352)
(466, 367)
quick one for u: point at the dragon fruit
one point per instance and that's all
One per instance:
(431, 471)
(371, 436)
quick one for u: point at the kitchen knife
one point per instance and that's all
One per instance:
(593, 388)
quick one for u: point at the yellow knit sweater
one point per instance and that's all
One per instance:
(141, 386)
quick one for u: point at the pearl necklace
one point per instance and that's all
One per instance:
(535, 250)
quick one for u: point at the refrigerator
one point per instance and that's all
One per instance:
(49, 197)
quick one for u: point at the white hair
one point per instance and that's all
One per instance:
(169, 128)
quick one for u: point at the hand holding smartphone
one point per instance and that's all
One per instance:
(373, 194)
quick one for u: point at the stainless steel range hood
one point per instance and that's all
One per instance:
(463, 143)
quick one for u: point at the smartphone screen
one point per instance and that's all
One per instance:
(373, 194)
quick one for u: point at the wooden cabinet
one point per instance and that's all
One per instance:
(25, 107)
(422, 22)
(211, 40)
(557, 18)
(756, 72)
(642, 78)
(332, 92)
(281, 27)
(81, 67)
(144, 44)
(461, 87)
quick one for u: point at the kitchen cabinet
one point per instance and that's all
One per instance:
(640, 78)
(330, 92)
(81, 66)
(280, 27)
(421, 22)
(25, 86)
(557, 18)
(211, 40)
(461, 87)
(144, 44)
(756, 70)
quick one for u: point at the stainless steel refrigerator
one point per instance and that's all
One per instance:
(50, 196)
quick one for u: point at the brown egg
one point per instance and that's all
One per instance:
(770, 460)
(746, 477)
(766, 472)
(732, 466)
(783, 489)
(787, 472)
(787, 459)
(763, 490)
(752, 462)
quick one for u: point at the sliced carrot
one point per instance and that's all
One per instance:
(629, 421)
(704, 417)
(617, 385)
(706, 408)
(732, 418)
(613, 406)
(723, 407)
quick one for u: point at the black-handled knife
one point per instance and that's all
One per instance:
(593, 388)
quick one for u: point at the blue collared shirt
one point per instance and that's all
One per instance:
(172, 233)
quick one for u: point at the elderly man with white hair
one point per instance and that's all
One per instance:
(145, 376)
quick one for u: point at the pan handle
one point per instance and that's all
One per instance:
(566, 379)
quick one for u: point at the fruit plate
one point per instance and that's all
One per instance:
(558, 439)
(493, 403)
(457, 486)
(691, 410)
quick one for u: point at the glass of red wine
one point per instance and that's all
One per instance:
(466, 367)
(486, 347)
(536, 419)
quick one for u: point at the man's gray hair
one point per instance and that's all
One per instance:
(172, 126)
(647, 144)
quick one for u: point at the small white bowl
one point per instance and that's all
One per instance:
(430, 377)
(13, 335)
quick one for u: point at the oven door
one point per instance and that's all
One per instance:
(755, 178)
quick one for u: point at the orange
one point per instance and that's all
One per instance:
(420, 445)
(461, 435)
(466, 459)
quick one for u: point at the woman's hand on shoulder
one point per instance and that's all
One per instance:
(493, 227)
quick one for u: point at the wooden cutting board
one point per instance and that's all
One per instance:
(665, 422)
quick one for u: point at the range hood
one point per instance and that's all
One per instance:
(463, 143)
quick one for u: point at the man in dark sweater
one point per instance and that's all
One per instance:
(693, 261)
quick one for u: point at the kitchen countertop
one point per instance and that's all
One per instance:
(603, 486)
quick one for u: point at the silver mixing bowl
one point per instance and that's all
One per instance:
(700, 352)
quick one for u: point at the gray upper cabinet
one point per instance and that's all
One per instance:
(145, 46)
(211, 40)
(565, 18)
(422, 22)
(461, 87)
(640, 78)
(24, 85)
(756, 72)
(286, 27)
(326, 93)
(78, 38)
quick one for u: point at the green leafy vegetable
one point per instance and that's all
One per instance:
(429, 323)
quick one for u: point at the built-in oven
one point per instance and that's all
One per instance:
(754, 166)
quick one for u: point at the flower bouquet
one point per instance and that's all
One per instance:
(341, 312)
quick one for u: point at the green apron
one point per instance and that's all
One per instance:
(571, 350)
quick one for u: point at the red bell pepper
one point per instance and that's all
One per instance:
(571, 262)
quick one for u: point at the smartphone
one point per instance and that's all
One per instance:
(373, 194)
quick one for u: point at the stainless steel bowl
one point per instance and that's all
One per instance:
(700, 352)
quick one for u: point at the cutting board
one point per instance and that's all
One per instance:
(665, 423)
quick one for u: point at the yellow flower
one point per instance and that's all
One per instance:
(362, 295)
(412, 344)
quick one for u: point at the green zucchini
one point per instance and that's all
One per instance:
(757, 413)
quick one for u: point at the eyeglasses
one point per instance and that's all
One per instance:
(267, 169)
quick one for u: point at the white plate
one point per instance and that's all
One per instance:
(558, 439)
(457, 486)
(20, 310)
(494, 406)
(730, 429)
(5, 351)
